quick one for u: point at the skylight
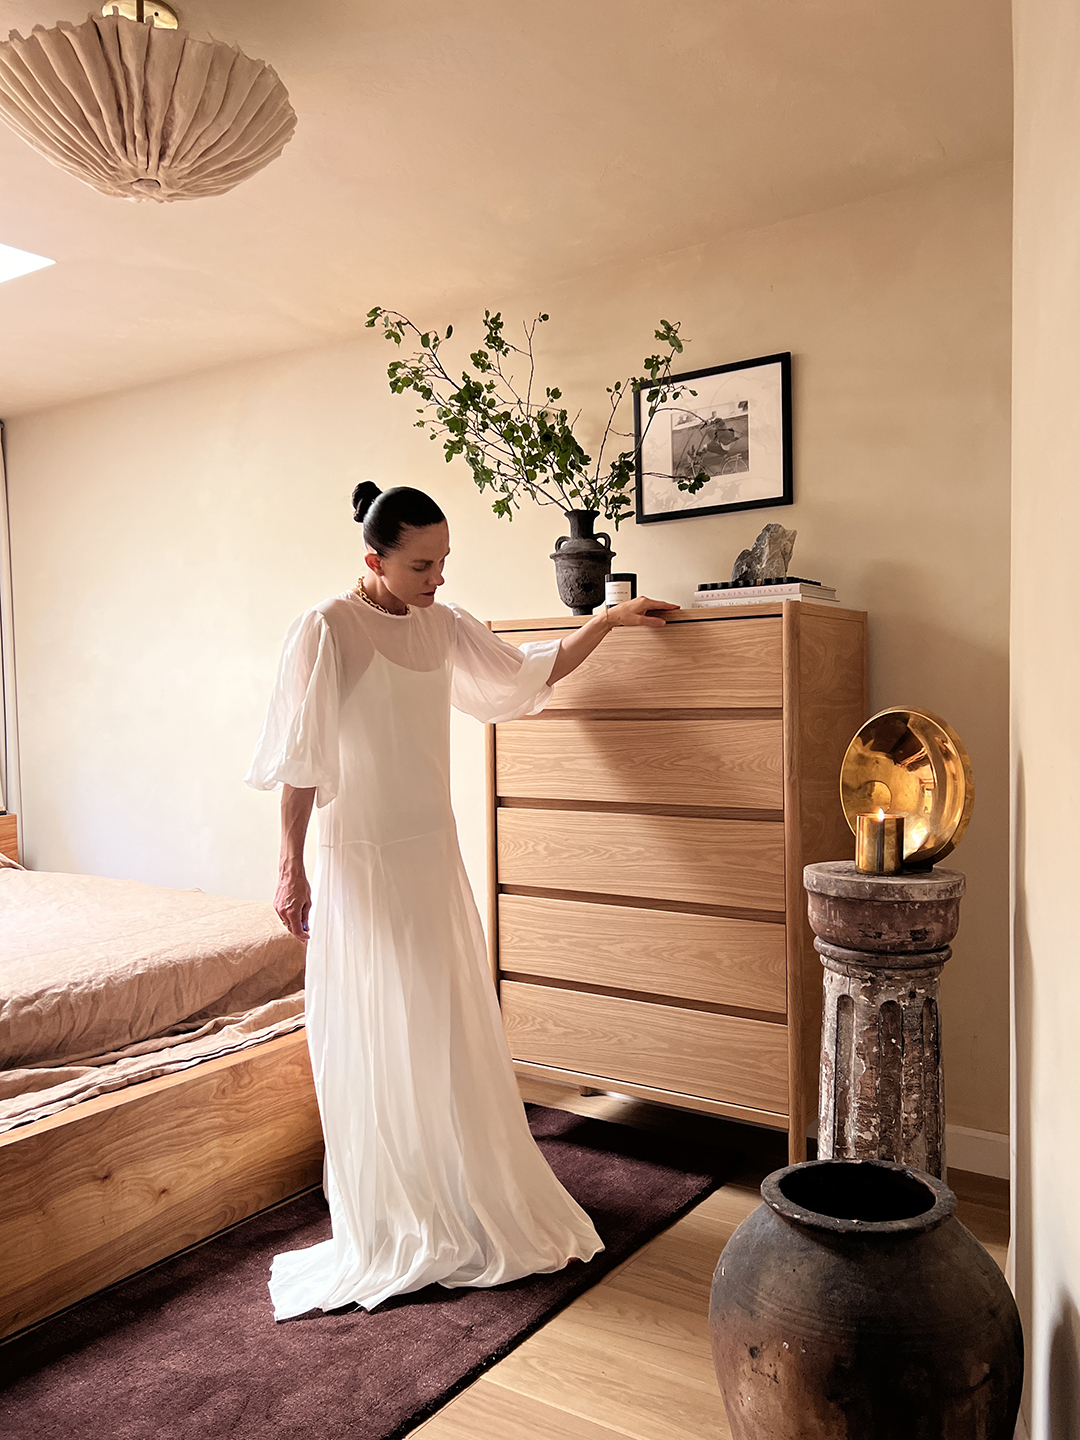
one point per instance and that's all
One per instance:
(19, 262)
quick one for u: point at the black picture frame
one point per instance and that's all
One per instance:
(776, 426)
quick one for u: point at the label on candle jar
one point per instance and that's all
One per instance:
(619, 588)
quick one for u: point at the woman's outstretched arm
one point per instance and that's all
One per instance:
(576, 647)
(293, 898)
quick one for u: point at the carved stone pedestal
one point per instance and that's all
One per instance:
(883, 940)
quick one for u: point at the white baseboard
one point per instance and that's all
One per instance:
(984, 1151)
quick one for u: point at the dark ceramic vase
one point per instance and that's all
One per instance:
(582, 559)
(853, 1305)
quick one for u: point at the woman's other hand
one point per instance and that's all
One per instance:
(635, 612)
(292, 901)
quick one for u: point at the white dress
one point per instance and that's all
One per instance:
(432, 1174)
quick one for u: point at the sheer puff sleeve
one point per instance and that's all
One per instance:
(299, 741)
(493, 680)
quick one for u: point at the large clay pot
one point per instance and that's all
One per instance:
(853, 1305)
(582, 559)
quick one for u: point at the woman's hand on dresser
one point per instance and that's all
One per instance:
(574, 647)
(292, 901)
(639, 611)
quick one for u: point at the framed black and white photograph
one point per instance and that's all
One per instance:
(736, 430)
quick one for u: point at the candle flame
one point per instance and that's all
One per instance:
(881, 814)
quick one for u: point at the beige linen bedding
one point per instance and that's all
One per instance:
(105, 982)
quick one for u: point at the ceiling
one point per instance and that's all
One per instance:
(451, 150)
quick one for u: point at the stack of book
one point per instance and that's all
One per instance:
(727, 592)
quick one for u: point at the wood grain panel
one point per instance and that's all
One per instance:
(717, 663)
(9, 836)
(695, 615)
(832, 685)
(97, 1192)
(833, 704)
(664, 1387)
(492, 1412)
(688, 1051)
(801, 1104)
(490, 804)
(739, 863)
(696, 957)
(675, 762)
(593, 1085)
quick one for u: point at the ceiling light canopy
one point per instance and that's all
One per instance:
(14, 263)
(143, 112)
(144, 11)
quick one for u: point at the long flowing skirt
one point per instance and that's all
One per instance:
(432, 1174)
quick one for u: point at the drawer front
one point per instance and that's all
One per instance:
(735, 763)
(736, 863)
(689, 957)
(700, 664)
(691, 1052)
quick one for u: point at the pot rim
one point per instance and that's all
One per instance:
(943, 1208)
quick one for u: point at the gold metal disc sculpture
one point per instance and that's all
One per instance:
(911, 762)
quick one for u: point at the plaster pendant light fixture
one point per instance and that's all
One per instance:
(129, 103)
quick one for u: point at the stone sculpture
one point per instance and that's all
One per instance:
(768, 559)
(742, 569)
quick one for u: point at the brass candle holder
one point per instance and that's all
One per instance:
(906, 772)
(879, 843)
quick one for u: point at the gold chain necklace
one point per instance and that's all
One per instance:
(359, 590)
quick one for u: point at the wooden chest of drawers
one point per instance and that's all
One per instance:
(648, 834)
(9, 836)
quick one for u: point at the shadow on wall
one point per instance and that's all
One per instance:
(917, 659)
(1063, 1380)
(1021, 1254)
(1063, 1370)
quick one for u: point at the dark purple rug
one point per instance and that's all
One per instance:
(189, 1351)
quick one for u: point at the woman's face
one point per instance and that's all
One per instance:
(414, 571)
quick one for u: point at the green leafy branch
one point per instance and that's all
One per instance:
(516, 444)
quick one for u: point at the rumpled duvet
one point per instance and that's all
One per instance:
(107, 982)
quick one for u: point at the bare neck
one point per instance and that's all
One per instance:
(376, 589)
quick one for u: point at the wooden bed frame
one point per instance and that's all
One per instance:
(111, 1185)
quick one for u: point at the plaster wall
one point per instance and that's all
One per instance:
(164, 537)
(1046, 701)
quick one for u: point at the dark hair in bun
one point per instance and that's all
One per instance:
(385, 513)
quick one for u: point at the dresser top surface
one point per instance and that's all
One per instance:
(693, 616)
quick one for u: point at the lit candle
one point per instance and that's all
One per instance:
(879, 843)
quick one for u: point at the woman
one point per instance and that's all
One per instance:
(432, 1175)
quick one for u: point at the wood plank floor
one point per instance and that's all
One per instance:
(631, 1356)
